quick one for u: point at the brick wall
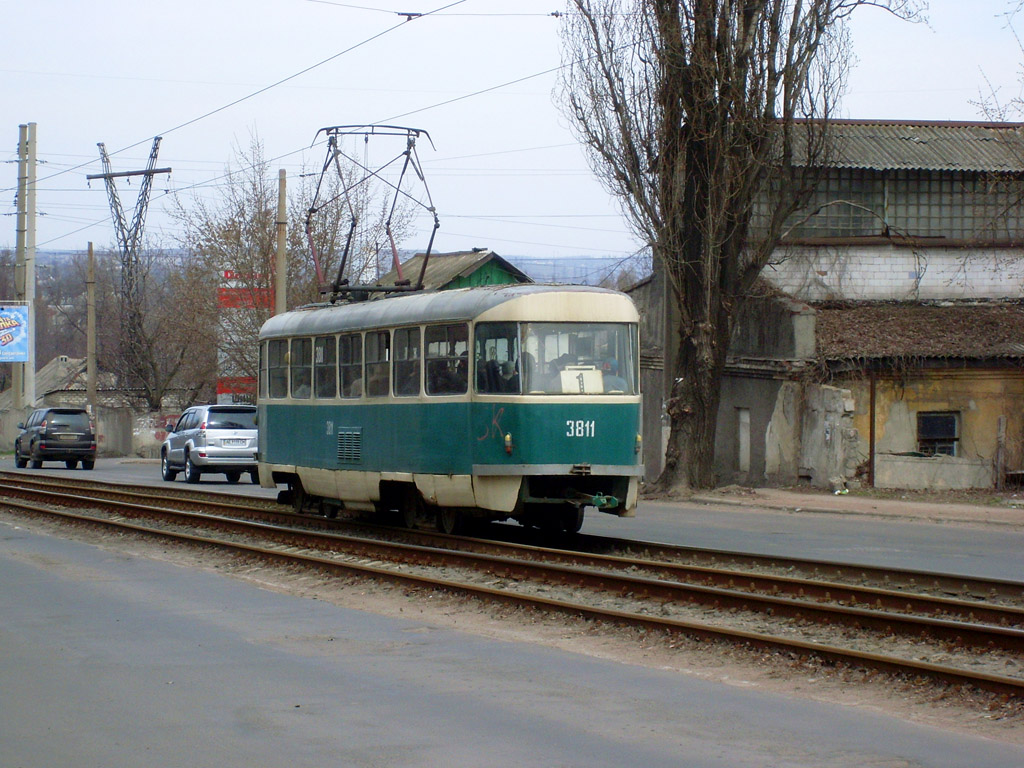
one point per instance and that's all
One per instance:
(898, 273)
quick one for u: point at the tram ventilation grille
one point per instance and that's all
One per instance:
(350, 445)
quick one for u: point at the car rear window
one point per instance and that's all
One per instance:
(231, 420)
(73, 420)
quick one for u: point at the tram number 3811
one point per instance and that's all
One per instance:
(579, 428)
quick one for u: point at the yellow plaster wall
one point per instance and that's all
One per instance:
(980, 396)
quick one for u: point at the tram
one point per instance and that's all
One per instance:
(501, 402)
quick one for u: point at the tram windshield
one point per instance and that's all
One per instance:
(556, 358)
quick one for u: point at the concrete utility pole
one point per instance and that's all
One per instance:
(24, 388)
(281, 263)
(90, 335)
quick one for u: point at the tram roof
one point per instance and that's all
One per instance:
(461, 304)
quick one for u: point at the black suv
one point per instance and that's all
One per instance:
(56, 434)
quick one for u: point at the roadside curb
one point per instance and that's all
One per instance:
(884, 509)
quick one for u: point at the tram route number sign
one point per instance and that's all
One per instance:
(580, 428)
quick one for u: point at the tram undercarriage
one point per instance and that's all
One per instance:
(546, 502)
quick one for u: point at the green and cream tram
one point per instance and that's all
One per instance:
(518, 401)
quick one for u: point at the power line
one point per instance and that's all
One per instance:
(210, 183)
(412, 15)
(264, 89)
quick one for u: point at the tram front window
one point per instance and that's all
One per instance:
(579, 358)
(556, 358)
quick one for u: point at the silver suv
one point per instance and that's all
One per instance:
(211, 438)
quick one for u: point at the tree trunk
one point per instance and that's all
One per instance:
(692, 408)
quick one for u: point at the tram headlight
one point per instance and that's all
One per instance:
(508, 443)
(638, 447)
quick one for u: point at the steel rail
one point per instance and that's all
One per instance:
(713, 559)
(996, 683)
(752, 582)
(961, 633)
(735, 583)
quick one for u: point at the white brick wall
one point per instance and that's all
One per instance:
(885, 272)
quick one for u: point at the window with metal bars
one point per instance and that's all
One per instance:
(938, 433)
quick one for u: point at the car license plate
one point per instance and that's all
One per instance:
(229, 443)
(68, 437)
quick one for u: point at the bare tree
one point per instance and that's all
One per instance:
(7, 293)
(708, 120)
(331, 204)
(171, 352)
(990, 103)
(60, 310)
(371, 206)
(232, 238)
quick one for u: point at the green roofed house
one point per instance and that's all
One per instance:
(462, 269)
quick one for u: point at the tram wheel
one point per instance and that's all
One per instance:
(412, 508)
(299, 496)
(571, 518)
(450, 520)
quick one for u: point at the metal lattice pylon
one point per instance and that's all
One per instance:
(129, 238)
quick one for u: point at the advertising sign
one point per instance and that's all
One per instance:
(14, 334)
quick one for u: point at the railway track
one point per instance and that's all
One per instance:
(971, 632)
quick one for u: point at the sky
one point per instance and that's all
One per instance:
(503, 169)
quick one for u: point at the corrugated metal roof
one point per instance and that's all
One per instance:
(893, 330)
(443, 268)
(933, 146)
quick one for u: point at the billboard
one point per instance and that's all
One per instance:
(14, 333)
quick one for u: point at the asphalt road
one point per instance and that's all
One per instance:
(112, 661)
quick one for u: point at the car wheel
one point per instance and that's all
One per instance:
(166, 472)
(191, 470)
(36, 463)
(233, 476)
(88, 463)
(19, 461)
(254, 475)
(71, 463)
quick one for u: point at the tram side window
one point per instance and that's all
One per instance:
(378, 363)
(407, 361)
(301, 368)
(325, 372)
(447, 358)
(497, 358)
(263, 371)
(350, 365)
(277, 368)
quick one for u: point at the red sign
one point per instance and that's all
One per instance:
(245, 298)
